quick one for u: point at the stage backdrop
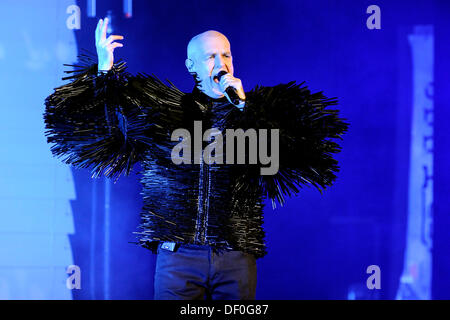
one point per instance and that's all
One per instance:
(35, 188)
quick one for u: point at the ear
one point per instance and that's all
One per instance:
(189, 64)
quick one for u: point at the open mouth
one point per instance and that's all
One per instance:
(216, 77)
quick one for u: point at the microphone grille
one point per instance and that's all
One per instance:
(220, 74)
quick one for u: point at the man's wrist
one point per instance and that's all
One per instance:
(103, 69)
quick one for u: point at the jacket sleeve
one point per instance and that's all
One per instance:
(307, 134)
(105, 122)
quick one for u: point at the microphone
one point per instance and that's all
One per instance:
(231, 91)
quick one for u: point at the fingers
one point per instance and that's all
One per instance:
(104, 29)
(114, 45)
(100, 35)
(229, 81)
(111, 38)
(97, 30)
(227, 78)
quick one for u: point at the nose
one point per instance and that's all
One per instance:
(220, 61)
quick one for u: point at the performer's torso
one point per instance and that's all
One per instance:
(199, 202)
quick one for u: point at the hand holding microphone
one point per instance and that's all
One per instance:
(233, 88)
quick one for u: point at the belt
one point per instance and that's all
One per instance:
(168, 246)
(173, 246)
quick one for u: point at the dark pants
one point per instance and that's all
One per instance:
(194, 272)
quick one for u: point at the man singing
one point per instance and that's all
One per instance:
(204, 220)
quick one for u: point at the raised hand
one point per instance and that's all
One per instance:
(105, 46)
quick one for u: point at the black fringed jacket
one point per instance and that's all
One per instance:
(109, 122)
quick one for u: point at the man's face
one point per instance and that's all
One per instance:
(209, 54)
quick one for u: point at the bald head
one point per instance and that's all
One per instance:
(197, 42)
(208, 53)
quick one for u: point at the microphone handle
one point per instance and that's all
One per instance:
(234, 97)
(232, 92)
